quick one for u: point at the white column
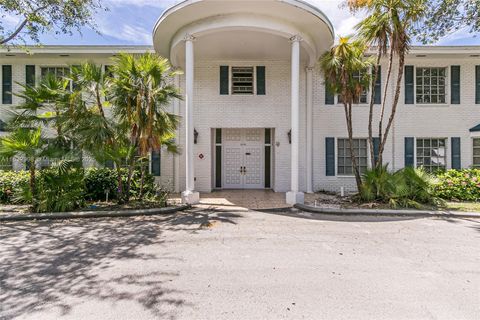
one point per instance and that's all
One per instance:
(309, 135)
(189, 196)
(176, 157)
(294, 196)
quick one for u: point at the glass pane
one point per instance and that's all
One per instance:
(476, 142)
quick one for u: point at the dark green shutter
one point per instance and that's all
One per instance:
(409, 151)
(477, 84)
(329, 156)
(30, 75)
(109, 164)
(376, 147)
(456, 153)
(455, 84)
(409, 83)
(218, 158)
(261, 80)
(329, 96)
(224, 80)
(378, 87)
(156, 163)
(7, 84)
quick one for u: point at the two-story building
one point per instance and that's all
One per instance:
(255, 113)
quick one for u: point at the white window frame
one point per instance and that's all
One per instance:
(360, 104)
(447, 159)
(230, 80)
(336, 156)
(57, 66)
(447, 86)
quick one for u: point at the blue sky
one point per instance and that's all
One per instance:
(131, 22)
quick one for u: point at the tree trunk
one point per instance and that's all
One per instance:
(142, 180)
(379, 161)
(131, 165)
(33, 185)
(348, 115)
(401, 65)
(120, 196)
(370, 111)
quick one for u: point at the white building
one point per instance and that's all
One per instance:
(256, 114)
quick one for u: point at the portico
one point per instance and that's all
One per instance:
(281, 37)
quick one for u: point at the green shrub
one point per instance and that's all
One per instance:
(98, 181)
(459, 185)
(11, 183)
(406, 188)
(60, 191)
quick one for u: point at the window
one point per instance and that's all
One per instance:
(6, 164)
(56, 71)
(363, 98)
(431, 154)
(343, 156)
(431, 84)
(476, 153)
(242, 80)
(7, 84)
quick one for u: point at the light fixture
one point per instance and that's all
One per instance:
(475, 55)
(421, 55)
(289, 134)
(64, 55)
(195, 136)
(9, 55)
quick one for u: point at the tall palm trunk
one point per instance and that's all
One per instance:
(370, 111)
(379, 161)
(401, 65)
(120, 196)
(348, 117)
(33, 184)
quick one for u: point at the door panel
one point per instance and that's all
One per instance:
(243, 159)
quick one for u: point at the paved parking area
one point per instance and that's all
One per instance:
(232, 263)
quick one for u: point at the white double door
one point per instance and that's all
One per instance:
(243, 158)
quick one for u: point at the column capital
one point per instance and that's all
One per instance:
(296, 38)
(189, 37)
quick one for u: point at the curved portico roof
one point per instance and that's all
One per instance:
(284, 18)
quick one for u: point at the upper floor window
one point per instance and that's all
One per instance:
(431, 154)
(363, 98)
(56, 71)
(431, 85)
(242, 80)
(345, 161)
(476, 153)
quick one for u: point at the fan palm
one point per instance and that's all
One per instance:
(387, 27)
(339, 66)
(29, 143)
(142, 89)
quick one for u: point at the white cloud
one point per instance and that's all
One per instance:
(140, 3)
(126, 32)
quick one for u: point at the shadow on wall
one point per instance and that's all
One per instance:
(48, 266)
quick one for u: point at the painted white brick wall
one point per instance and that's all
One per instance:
(213, 110)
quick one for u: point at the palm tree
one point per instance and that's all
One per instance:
(340, 65)
(29, 143)
(141, 91)
(387, 27)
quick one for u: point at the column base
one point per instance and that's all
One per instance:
(295, 197)
(190, 197)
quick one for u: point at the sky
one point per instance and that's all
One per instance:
(131, 22)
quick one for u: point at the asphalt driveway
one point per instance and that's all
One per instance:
(237, 264)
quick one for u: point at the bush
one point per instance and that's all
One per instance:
(459, 185)
(407, 188)
(98, 181)
(11, 182)
(59, 191)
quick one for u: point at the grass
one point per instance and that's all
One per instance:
(462, 206)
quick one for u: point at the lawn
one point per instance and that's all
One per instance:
(463, 206)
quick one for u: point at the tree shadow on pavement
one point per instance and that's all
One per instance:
(55, 265)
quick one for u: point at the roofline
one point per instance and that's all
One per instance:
(77, 49)
(313, 9)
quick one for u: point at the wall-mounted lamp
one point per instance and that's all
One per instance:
(289, 134)
(195, 136)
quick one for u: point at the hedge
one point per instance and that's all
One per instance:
(459, 185)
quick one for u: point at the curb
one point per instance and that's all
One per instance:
(92, 214)
(388, 212)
